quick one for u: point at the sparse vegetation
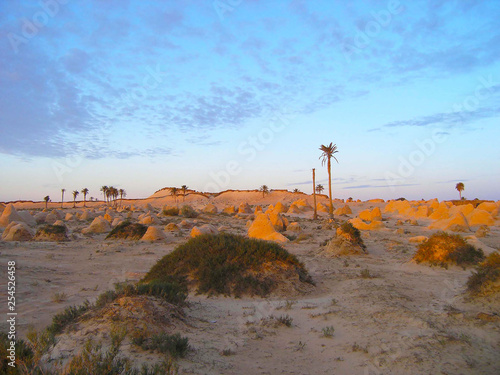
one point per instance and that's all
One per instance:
(285, 320)
(443, 249)
(128, 231)
(486, 279)
(188, 211)
(59, 297)
(352, 233)
(67, 317)
(228, 264)
(170, 211)
(52, 232)
(175, 345)
(328, 331)
(365, 274)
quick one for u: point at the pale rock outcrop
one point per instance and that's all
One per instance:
(280, 208)
(10, 215)
(2, 207)
(172, 227)
(457, 223)
(153, 234)
(321, 207)
(344, 210)
(86, 215)
(279, 222)
(210, 209)
(362, 225)
(480, 217)
(17, 231)
(371, 215)
(293, 209)
(294, 227)
(98, 225)
(204, 229)
(257, 210)
(244, 208)
(418, 239)
(116, 221)
(263, 229)
(399, 207)
(28, 219)
(108, 217)
(149, 220)
(40, 217)
(229, 210)
(466, 209)
(69, 217)
(376, 200)
(440, 213)
(487, 206)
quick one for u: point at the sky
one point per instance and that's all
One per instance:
(234, 94)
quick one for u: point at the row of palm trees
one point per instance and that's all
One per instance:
(111, 194)
(176, 191)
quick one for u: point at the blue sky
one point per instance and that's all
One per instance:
(240, 93)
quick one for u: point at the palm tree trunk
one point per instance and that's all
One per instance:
(330, 186)
(315, 216)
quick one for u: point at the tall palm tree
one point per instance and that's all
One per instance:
(46, 199)
(326, 157)
(75, 194)
(315, 215)
(173, 192)
(319, 188)
(184, 189)
(112, 194)
(264, 189)
(460, 187)
(123, 193)
(85, 191)
(62, 197)
(104, 190)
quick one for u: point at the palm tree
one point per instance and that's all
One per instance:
(104, 190)
(264, 189)
(326, 157)
(123, 193)
(184, 188)
(62, 197)
(75, 194)
(173, 192)
(112, 194)
(460, 187)
(46, 199)
(319, 188)
(315, 216)
(85, 191)
(296, 191)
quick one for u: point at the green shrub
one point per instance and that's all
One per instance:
(442, 248)
(487, 276)
(172, 291)
(171, 211)
(105, 298)
(189, 212)
(67, 317)
(286, 320)
(52, 232)
(352, 233)
(128, 231)
(225, 264)
(328, 331)
(24, 354)
(175, 345)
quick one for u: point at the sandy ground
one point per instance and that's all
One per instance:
(404, 318)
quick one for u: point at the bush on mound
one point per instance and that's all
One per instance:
(347, 242)
(189, 212)
(51, 233)
(442, 248)
(230, 265)
(486, 280)
(128, 231)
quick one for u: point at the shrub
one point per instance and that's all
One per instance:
(352, 233)
(171, 211)
(328, 331)
(226, 264)
(172, 291)
(286, 320)
(487, 276)
(128, 231)
(443, 248)
(175, 345)
(105, 298)
(67, 317)
(189, 212)
(24, 354)
(52, 232)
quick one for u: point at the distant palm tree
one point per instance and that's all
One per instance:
(104, 190)
(319, 188)
(75, 194)
(123, 193)
(265, 190)
(184, 189)
(62, 197)
(112, 194)
(460, 187)
(326, 157)
(85, 191)
(296, 191)
(46, 199)
(173, 192)
(315, 215)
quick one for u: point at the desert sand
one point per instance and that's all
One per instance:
(389, 315)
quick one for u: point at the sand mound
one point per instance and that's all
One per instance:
(127, 231)
(362, 225)
(344, 210)
(10, 215)
(204, 229)
(457, 223)
(229, 210)
(487, 206)
(232, 265)
(210, 209)
(153, 234)
(244, 208)
(172, 227)
(480, 217)
(262, 228)
(16, 231)
(371, 215)
(98, 225)
(55, 233)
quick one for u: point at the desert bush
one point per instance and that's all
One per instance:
(171, 211)
(175, 345)
(104, 298)
(189, 212)
(128, 231)
(67, 317)
(487, 276)
(24, 354)
(442, 248)
(286, 320)
(52, 232)
(328, 331)
(226, 264)
(59, 297)
(172, 291)
(352, 233)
